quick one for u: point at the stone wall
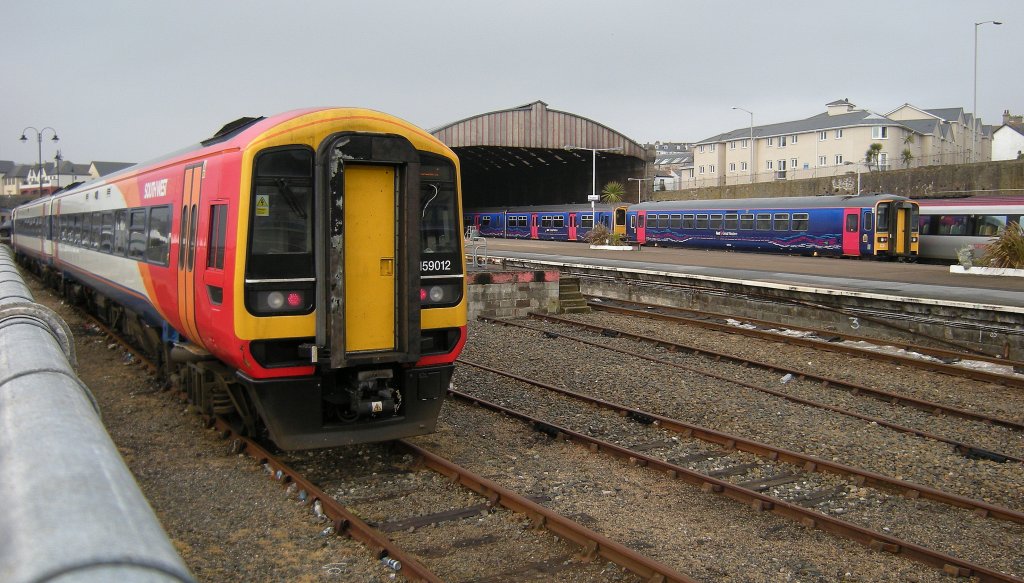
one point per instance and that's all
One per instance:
(1004, 177)
(512, 294)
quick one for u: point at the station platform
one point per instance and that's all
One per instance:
(890, 280)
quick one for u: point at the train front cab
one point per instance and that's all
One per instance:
(388, 277)
(889, 229)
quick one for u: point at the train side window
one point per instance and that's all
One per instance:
(137, 234)
(76, 229)
(194, 219)
(97, 229)
(732, 222)
(663, 221)
(747, 222)
(716, 221)
(558, 222)
(989, 225)
(764, 222)
(158, 247)
(218, 230)
(120, 231)
(183, 229)
(107, 232)
(86, 230)
(545, 221)
(852, 223)
(675, 221)
(953, 225)
(781, 222)
(687, 221)
(868, 216)
(640, 221)
(702, 221)
(485, 221)
(632, 221)
(800, 221)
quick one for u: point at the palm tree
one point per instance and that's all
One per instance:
(871, 156)
(907, 157)
(613, 192)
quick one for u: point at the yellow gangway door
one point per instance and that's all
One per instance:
(370, 249)
(901, 245)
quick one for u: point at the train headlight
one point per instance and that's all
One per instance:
(280, 302)
(883, 239)
(440, 294)
(275, 300)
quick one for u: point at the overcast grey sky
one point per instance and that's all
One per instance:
(132, 80)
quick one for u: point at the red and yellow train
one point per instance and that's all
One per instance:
(302, 273)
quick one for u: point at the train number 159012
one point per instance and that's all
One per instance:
(436, 265)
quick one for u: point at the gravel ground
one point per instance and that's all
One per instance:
(232, 523)
(226, 518)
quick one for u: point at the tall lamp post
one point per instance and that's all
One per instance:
(639, 183)
(974, 126)
(751, 142)
(593, 188)
(39, 140)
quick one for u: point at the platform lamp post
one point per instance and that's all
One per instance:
(639, 183)
(974, 114)
(751, 142)
(593, 188)
(39, 141)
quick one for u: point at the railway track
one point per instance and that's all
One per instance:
(941, 360)
(726, 468)
(962, 447)
(931, 407)
(574, 553)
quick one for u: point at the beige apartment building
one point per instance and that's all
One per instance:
(835, 143)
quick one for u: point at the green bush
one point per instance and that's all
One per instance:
(601, 235)
(1006, 250)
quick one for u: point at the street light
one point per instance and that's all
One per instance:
(639, 183)
(39, 140)
(974, 125)
(593, 192)
(751, 142)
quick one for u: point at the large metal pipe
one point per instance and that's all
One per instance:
(71, 510)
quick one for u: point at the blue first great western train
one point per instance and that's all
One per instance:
(876, 225)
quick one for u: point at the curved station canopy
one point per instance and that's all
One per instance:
(531, 155)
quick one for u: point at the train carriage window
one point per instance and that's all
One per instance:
(800, 221)
(663, 221)
(137, 234)
(218, 230)
(702, 221)
(107, 232)
(85, 240)
(545, 221)
(747, 222)
(190, 261)
(640, 220)
(558, 222)
(688, 221)
(868, 217)
(852, 223)
(97, 229)
(882, 221)
(158, 247)
(120, 231)
(281, 214)
(781, 222)
(716, 221)
(764, 222)
(675, 221)
(76, 229)
(732, 222)
(989, 225)
(953, 224)
(587, 221)
(485, 221)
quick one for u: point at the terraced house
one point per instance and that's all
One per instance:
(838, 141)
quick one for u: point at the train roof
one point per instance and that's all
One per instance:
(783, 202)
(978, 201)
(550, 208)
(236, 134)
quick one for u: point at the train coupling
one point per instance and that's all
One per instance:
(367, 394)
